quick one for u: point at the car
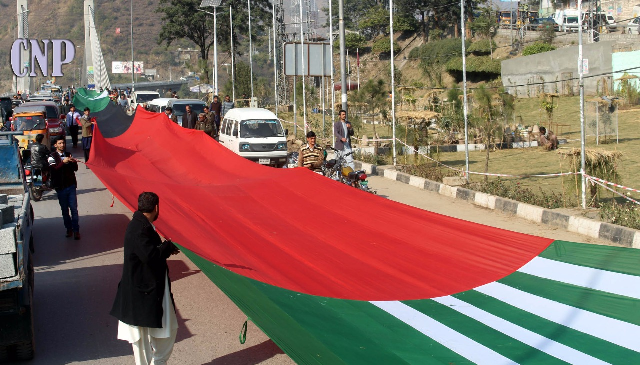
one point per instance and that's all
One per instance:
(30, 124)
(633, 27)
(179, 107)
(159, 105)
(142, 97)
(539, 24)
(611, 22)
(255, 134)
(55, 122)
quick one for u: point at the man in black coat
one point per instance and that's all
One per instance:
(144, 304)
(189, 118)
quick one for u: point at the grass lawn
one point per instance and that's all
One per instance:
(531, 160)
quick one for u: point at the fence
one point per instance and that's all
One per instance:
(601, 121)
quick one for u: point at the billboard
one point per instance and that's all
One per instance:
(119, 67)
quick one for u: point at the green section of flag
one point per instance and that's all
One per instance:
(596, 301)
(616, 259)
(89, 99)
(320, 330)
(582, 342)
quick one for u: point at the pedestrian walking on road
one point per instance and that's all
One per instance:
(189, 118)
(73, 123)
(63, 179)
(144, 305)
(227, 105)
(87, 132)
(216, 108)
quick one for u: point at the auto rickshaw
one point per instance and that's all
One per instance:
(30, 124)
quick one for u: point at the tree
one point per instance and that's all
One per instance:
(486, 26)
(383, 45)
(375, 22)
(486, 120)
(354, 12)
(182, 19)
(436, 14)
(374, 93)
(352, 41)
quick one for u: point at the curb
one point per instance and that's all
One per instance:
(611, 232)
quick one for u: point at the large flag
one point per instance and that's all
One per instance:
(338, 276)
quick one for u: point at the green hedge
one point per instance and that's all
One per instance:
(483, 46)
(475, 64)
(537, 47)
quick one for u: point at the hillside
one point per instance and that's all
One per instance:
(49, 19)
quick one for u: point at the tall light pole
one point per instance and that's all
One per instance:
(133, 65)
(343, 59)
(215, 4)
(233, 63)
(464, 93)
(275, 65)
(582, 128)
(304, 97)
(393, 83)
(250, 49)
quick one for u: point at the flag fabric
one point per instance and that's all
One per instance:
(364, 280)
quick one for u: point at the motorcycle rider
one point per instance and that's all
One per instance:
(39, 155)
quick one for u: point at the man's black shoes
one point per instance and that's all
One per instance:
(76, 236)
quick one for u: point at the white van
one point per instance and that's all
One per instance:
(141, 97)
(159, 105)
(255, 134)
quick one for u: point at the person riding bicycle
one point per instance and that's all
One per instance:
(311, 155)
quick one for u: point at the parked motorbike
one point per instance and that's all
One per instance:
(292, 160)
(338, 170)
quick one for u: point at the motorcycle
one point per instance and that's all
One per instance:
(37, 181)
(338, 170)
(292, 160)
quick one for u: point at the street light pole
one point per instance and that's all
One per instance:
(343, 60)
(133, 67)
(250, 49)
(233, 64)
(215, 4)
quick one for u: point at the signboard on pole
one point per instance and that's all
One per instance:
(317, 59)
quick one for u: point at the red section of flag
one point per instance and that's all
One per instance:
(293, 228)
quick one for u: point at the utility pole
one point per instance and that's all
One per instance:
(343, 59)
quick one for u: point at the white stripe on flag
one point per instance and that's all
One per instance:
(444, 335)
(523, 335)
(609, 329)
(603, 280)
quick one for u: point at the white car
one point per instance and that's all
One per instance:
(255, 134)
(634, 26)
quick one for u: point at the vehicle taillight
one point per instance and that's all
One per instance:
(27, 172)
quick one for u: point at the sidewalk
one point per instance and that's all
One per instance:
(607, 232)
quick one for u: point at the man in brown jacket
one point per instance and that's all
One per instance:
(87, 123)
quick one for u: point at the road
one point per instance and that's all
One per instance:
(75, 283)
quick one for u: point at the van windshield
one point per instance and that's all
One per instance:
(143, 98)
(179, 109)
(30, 123)
(260, 128)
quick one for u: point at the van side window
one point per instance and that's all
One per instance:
(228, 130)
(222, 125)
(235, 129)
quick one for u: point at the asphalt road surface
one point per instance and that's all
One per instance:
(76, 281)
